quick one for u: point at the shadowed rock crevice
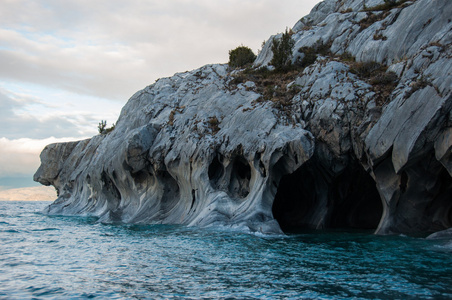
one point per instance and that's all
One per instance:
(239, 184)
(419, 198)
(355, 200)
(234, 179)
(109, 189)
(216, 171)
(140, 178)
(170, 192)
(441, 207)
(311, 198)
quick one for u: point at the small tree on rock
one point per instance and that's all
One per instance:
(241, 56)
(282, 51)
(101, 126)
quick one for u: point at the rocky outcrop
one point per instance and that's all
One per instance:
(359, 136)
(189, 149)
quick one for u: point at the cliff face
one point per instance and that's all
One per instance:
(359, 136)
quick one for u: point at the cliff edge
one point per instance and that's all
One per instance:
(358, 135)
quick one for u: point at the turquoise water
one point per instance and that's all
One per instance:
(45, 257)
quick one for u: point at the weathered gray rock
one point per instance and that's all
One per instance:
(187, 150)
(343, 150)
(443, 234)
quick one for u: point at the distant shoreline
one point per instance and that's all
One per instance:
(36, 193)
(9, 200)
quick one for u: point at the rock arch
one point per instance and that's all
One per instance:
(311, 197)
(234, 179)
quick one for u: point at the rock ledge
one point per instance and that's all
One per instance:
(329, 148)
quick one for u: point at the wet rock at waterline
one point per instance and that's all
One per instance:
(357, 137)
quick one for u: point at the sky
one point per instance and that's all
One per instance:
(65, 65)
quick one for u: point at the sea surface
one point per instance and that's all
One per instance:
(44, 257)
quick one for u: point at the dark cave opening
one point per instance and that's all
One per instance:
(139, 177)
(215, 171)
(109, 188)
(171, 192)
(438, 212)
(311, 198)
(239, 183)
(238, 172)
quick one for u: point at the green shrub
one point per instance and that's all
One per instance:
(311, 53)
(241, 56)
(102, 127)
(282, 52)
(384, 8)
(347, 57)
(387, 5)
(419, 84)
(365, 69)
(108, 130)
(383, 82)
(310, 56)
(384, 78)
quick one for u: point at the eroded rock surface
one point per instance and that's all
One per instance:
(187, 150)
(360, 138)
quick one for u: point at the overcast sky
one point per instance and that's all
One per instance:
(67, 64)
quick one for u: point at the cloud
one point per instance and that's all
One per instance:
(18, 121)
(20, 157)
(99, 70)
(66, 65)
(112, 48)
(29, 116)
(27, 121)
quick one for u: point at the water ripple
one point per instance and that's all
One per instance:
(61, 257)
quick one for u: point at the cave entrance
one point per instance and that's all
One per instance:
(234, 180)
(239, 184)
(311, 198)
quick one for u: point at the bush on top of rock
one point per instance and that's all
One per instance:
(282, 51)
(241, 56)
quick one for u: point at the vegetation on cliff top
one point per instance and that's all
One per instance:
(241, 56)
(102, 127)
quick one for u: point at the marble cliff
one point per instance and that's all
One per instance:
(357, 136)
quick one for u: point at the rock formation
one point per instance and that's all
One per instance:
(359, 135)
